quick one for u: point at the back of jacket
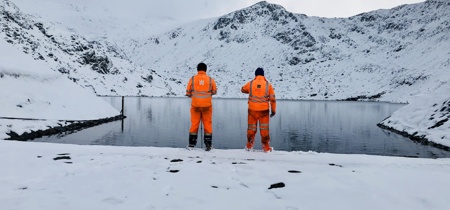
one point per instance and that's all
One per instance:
(200, 88)
(261, 94)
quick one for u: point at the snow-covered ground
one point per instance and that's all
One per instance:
(426, 116)
(104, 177)
(30, 89)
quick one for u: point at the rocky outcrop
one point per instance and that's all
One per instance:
(71, 126)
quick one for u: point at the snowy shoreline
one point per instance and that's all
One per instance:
(68, 126)
(411, 134)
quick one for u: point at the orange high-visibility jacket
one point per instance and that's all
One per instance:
(200, 88)
(260, 94)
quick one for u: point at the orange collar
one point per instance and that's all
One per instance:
(201, 72)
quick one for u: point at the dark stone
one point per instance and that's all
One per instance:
(399, 48)
(332, 164)
(364, 97)
(174, 171)
(277, 185)
(176, 160)
(438, 124)
(62, 158)
(294, 171)
(294, 61)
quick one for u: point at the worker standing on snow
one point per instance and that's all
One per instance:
(261, 95)
(200, 89)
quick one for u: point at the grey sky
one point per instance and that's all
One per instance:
(199, 9)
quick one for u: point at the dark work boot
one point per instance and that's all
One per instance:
(208, 142)
(192, 140)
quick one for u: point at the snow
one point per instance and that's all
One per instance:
(30, 89)
(398, 53)
(104, 177)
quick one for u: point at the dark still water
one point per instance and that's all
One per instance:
(322, 126)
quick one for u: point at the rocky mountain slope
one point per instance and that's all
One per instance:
(98, 65)
(389, 55)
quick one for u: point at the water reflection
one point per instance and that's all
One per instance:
(322, 126)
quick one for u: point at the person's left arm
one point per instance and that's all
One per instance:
(272, 100)
(214, 87)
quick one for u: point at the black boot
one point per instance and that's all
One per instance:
(192, 140)
(208, 142)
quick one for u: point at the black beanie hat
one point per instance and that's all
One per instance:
(259, 71)
(201, 67)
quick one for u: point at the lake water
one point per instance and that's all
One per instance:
(321, 126)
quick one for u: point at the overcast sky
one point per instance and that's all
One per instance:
(199, 9)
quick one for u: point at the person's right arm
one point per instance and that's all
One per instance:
(188, 88)
(246, 88)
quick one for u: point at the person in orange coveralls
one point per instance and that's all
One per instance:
(200, 89)
(261, 95)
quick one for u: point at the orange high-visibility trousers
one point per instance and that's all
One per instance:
(263, 118)
(203, 114)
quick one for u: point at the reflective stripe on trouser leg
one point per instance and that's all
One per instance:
(264, 128)
(251, 129)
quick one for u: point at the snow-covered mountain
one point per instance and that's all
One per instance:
(95, 64)
(388, 55)
(392, 54)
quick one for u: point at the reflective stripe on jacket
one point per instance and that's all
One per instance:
(261, 94)
(200, 88)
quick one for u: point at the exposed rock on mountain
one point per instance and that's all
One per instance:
(99, 65)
